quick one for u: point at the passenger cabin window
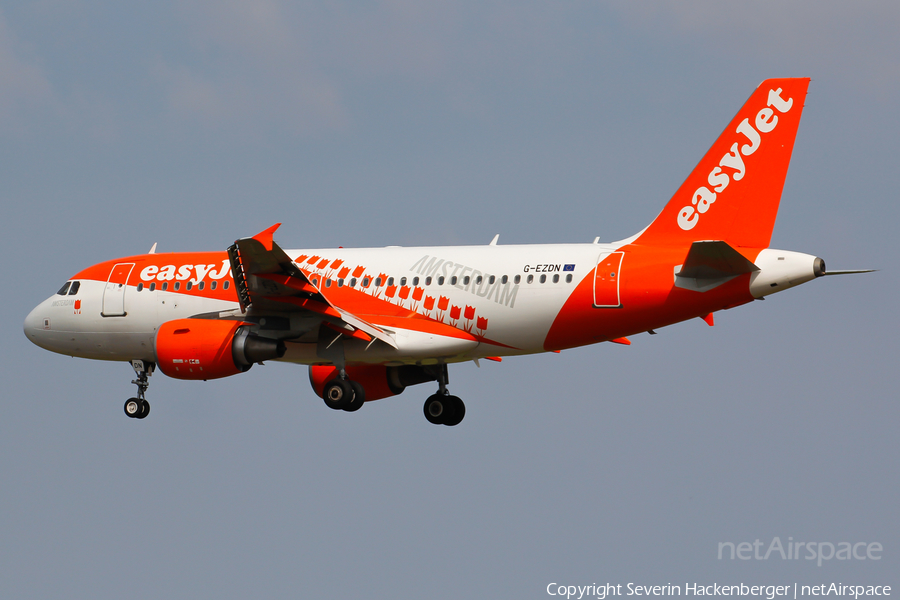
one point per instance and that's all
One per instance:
(378, 282)
(504, 279)
(543, 279)
(517, 279)
(188, 287)
(569, 278)
(403, 281)
(177, 285)
(64, 289)
(212, 285)
(478, 280)
(466, 280)
(556, 278)
(530, 279)
(327, 283)
(225, 286)
(353, 282)
(415, 281)
(428, 281)
(140, 287)
(390, 281)
(201, 285)
(153, 286)
(165, 285)
(492, 279)
(441, 280)
(340, 283)
(365, 282)
(453, 280)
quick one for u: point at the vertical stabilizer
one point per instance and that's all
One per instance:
(733, 193)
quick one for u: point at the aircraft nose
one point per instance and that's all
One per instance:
(34, 323)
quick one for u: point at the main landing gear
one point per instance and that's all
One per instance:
(342, 394)
(139, 408)
(442, 408)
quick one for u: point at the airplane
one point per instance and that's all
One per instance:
(371, 322)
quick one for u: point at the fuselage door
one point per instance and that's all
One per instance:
(606, 280)
(114, 294)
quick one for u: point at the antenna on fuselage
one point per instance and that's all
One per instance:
(153, 249)
(494, 241)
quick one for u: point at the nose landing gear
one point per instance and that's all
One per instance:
(139, 408)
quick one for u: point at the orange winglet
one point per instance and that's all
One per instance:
(622, 340)
(709, 319)
(265, 237)
(494, 358)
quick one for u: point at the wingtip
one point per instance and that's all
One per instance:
(265, 237)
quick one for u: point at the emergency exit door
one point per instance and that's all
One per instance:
(606, 280)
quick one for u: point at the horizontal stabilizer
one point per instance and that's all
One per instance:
(714, 260)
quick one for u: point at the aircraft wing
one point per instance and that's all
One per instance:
(267, 280)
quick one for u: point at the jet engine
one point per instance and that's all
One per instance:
(210, 349)
(378, 381)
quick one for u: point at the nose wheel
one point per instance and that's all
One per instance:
(139, 408)
(136, 408)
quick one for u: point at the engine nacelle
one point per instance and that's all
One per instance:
(379, 381)
(210, 348)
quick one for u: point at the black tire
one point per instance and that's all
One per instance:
(337, 394)
(359, 396)
(145, 410)
(132, 408)
(437, 409)
(458, 413)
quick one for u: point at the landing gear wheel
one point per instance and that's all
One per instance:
(337, 394)
(139, 408)
(455, 416)
(359, 396)
(133, 408)
(437, 408)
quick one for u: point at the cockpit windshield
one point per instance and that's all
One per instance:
(70, 288)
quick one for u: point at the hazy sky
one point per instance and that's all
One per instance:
(194, 123)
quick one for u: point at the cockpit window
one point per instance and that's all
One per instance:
(64, 289)
(74, 289)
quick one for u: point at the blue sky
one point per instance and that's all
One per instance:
(191, 124)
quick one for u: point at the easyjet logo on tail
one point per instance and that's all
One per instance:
(766, 120)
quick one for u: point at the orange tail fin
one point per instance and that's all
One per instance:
(734, 191)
